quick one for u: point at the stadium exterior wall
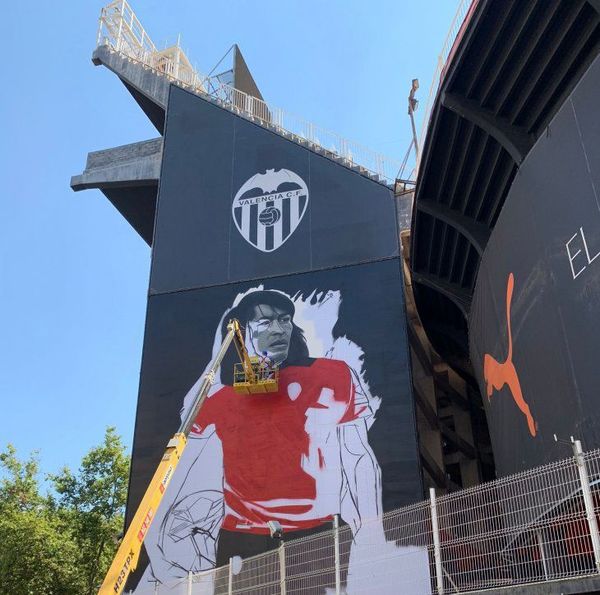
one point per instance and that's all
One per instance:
(305, 253)
(535, 320)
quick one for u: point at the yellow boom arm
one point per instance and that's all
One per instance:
(129, 551)
(128, 554)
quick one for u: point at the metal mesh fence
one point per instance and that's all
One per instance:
(259, 575)
(536, 526)
(507, 532)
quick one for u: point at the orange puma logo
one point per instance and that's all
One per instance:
(497, 374)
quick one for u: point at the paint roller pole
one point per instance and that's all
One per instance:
(437, 549)
(588, 501)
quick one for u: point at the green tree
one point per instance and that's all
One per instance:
(93, 502)
(19, 489)
(62, 543)
(36, 555)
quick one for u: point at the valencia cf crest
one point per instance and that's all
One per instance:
(268, 208)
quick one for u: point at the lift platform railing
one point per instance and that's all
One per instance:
(267, 378)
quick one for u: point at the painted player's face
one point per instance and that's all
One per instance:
(271, 331)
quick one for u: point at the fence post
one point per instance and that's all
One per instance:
(588, 501)
(336, 542)
(230, 578)
(437, 550)
(542, 553)
(189, 583)
(282, 586)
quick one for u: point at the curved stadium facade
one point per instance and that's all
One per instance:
(509, 188)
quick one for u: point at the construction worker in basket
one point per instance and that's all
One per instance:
(265, 366)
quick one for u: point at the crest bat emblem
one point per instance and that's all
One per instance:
(269, 207)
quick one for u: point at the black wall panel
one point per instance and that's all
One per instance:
(180, 332)
(209, 155)
(243, 210)
(547, 237)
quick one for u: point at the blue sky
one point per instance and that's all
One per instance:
(73, 274)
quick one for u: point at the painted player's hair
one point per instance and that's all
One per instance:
(244, 312)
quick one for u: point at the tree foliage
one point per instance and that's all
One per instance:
(63, 542)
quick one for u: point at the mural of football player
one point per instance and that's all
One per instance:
(298, 456)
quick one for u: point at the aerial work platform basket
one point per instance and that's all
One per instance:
(257, 376)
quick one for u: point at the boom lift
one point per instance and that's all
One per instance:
(252, 375)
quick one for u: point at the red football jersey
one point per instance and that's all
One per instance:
(266, 442)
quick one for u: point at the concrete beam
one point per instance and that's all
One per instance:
(149, 88)
(460, 297)
(419, 349)
(426, 408)
(514, 139)
(136, 164)
(477, 233)
(460, 443)
(435, 471)
(443, 384)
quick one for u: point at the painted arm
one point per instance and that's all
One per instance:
(361, 501)
(183, 536)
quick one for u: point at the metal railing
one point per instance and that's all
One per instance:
(266, 377)
(533, 527)
(464, 9)
(121, 31)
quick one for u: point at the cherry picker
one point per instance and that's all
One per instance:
(251, 375)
